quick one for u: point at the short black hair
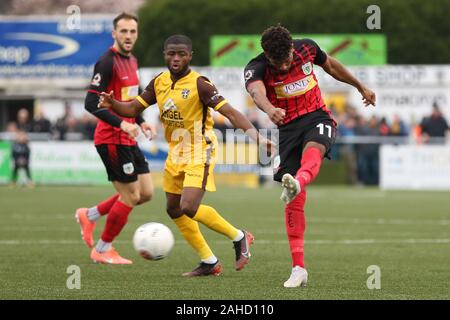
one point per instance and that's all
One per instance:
(126, 16)
(276, 42)
(178, 39)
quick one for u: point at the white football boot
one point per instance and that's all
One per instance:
(299, 277)
(291, 188)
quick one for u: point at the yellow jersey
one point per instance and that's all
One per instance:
(185, 108)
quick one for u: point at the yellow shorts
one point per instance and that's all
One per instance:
(180, 175)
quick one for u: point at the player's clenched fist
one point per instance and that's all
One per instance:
(276, 115)
(131, 128)
(106, 100)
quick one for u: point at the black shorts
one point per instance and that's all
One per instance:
(123, 163)
(317, 126)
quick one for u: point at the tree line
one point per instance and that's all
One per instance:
(417, 31)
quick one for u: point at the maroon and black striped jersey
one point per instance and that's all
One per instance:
(114, 71)
(297, 91)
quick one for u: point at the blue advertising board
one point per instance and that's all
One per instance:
(52, 47)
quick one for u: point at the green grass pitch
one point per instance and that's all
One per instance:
(406, 234)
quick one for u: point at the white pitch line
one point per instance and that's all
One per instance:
(381, 221)
(357, 241)
(257, 241)
(437, 222)
(337, 220)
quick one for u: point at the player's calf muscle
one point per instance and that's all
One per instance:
(145, 196)
(312, 144)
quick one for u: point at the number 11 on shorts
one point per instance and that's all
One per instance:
(321, 129)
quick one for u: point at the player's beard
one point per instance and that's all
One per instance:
(123, 49)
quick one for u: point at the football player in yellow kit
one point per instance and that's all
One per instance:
(185, 99)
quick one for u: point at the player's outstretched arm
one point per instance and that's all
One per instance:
(239, 121)
(257, 91)
(338, 71)
(129, 109)
(91, 105)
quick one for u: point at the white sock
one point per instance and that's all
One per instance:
(239, 236)
(103, 246)
(93, 214)
(210, 260)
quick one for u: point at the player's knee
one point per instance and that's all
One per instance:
(145, 196)
(188, 208)
(173, 212)
(317, 145)
(132, 198)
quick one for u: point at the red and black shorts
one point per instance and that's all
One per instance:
(123, 163)
(317, 126)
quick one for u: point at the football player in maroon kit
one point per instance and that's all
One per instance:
(282, 83)
(127, 169)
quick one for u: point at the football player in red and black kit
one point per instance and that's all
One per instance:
(282, 83)
(127, 169)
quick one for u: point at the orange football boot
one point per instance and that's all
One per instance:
(242, 250)
(108, 257)
(87, 226)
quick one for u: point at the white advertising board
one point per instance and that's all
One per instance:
(415, 167)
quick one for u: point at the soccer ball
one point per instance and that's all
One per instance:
(153, 241)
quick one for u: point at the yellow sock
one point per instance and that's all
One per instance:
(191, 232)
(213, 220)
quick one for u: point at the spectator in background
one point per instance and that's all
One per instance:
(40, 123)
(434, 126)
(86, 126)
(23, 120)
(346, 128)
(383, 127)
(398, 127)
(72, 124)
(62, 124)
(21, 157)
(10, 131)
(368, 153)
(11, 127)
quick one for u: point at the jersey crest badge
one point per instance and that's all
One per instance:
(128, 168)
(307, 68)
(185, 93)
